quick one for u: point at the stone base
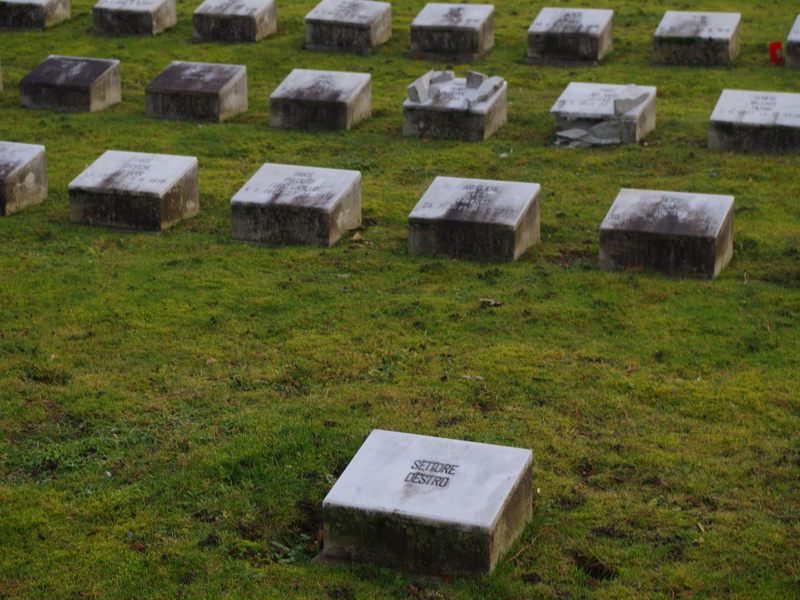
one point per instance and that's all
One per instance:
(71, 84)
(774, 139)
(792, 48)
(23, 176)
(753, 121)
(452, 32)
(233, 21)
(570, 37)
(696, 39)
(133, 17)
(33, 14)
(348, 26)
(197, 92)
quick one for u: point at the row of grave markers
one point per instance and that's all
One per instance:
(462, 32)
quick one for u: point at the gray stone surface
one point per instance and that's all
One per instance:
(197, 92)
(793, 45)
(476, 219)
(706, 39)
(309, 99)
(428, 505)
(234, 21)
(71, 84)
(570, 36)
(452, 32)
(289, 204)
(597, 114)
(33, 14)
(442, 106)
(355, 26)
(133, 17)
(749, 121)
(686, 235)
(134, 190)
(23, 176)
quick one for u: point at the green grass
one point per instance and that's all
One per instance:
(174, 407)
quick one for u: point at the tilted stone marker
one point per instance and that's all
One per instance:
(287, 204)
(748, 121)
(33, 14)
(596, 114)
(309, 99)
(476, 219)
(428, 505)
(570, 36)
(355, 26)
(134, 190)
(793, 45)
(678, 233)
(439, 105)
(71, 84)
(133, 17)
(197, 92)
(234, 20)
(23, 176)
(460, 32)
(706, 39)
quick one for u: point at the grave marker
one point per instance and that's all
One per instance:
(134, 190)
(566, 37)
(678, 233)
(475, 219)
(33, 14)
(793, 45)
(23, 176)
(234, 20)
(452, 32)
(348, 26)
(428, 505)
(71, 84)
(706, 39)
(287, 204)
(133, 17)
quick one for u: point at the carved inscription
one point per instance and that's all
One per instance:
(473, 198)
(136, 170)
(431, 472)
(667, 209)
(300, 184)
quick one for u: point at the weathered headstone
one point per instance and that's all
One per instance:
(596, 114)
(439, 105)
(793, 45)
(428, 505)
(234, 20)
(348, 26)
(705, 39)
(452, 32)
(476, 219)
(287, 204)
(133, 17)
(133, 190)
(747, 121)
(197, 92)
(33, 14)
(23, 176)
(570, 36)
(678, 233)
(71, 84)
(309, 99)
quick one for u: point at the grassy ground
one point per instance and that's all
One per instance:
(174, 407)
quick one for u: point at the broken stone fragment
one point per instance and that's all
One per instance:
(475, 79)
(486, 89)
(631, 97)
(440, 76)
(608, 130)
(418, 91)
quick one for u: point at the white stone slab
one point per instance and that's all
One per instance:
(33, 14)
(460, 31)
(23, 176)
(696, 38)
(137, 172)
(428, 504)
(793, 45)
(569, 36)
(348, 12)
(715, 25)
(348, 25)
(234, 20)
(453, 16)
(133, 17)
(754, 121)
(71, 84)
(291, 204)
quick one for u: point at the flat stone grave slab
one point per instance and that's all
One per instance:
(355, 26)
(748, 121)
(440, 105)
(597, 114)
(704, 39)
(793, 45)
(23, 176)
(134, 190)
(476, 219)
(452, 32)
(234, 21)
(193, 91)
(570, 37)
(33, 14)
(288, 204)
(678, 233)
(133, 17)
(428, 505)
(309, 99)
(71, 84)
